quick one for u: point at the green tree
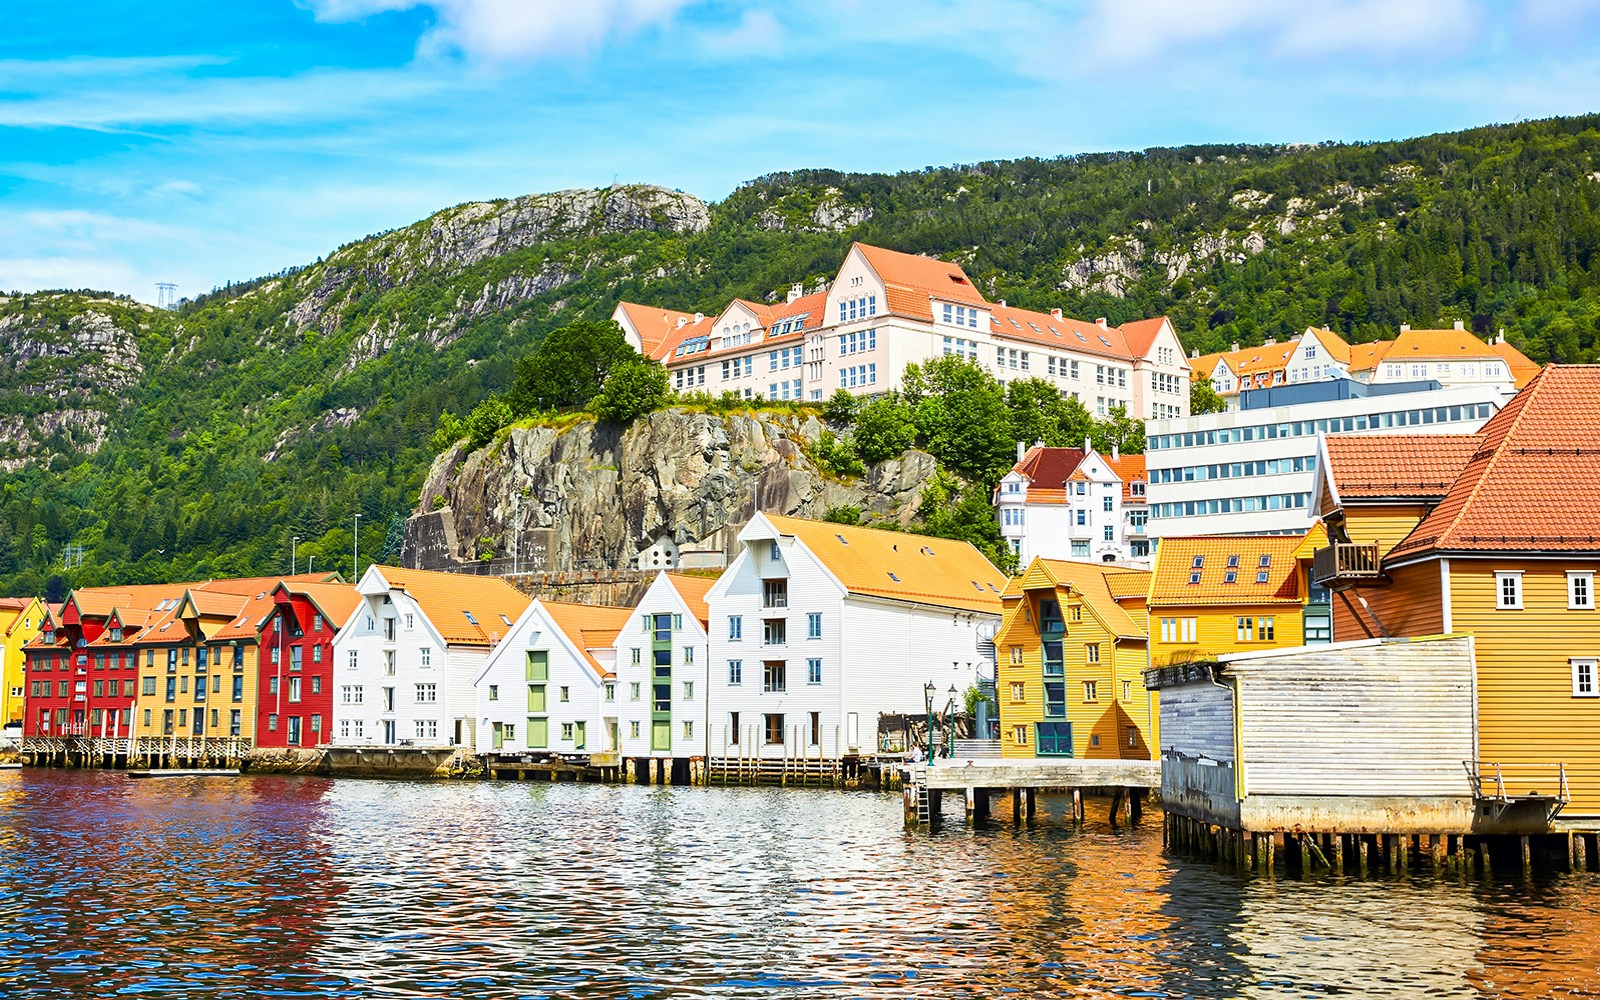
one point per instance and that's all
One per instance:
(842, 408)
(961, 416)
(884, 429)
(485, 421)
(950, 509)
(1203, 398)
(842, 515)
(634, 387)
(569, 367)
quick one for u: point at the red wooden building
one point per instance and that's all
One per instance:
(297, 644)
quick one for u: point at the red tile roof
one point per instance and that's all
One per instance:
(1141, 334)
(1129, 469)
(1049, 468)
(1049, 330)
(653, 324)
(1523, 369)
(1397, 466)
(911, 281)
(1545, 442)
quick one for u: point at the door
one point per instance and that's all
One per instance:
(294, 730)
(499, 735)
(580, 735)
(852, 729)
(388, 731)
(614, 743)
(661, 735)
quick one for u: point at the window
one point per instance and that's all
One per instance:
(633, 691)
(1019, 735)
(1055, 699)
(494, 693)
(611, 691)
(814, 625)
(633, 730)
(1091, 691)
(294, 689)
(816, 729)
(735, 628)
(427, 656)
(566, 730)
(1091, 652)
(774, 676)
(1016, 655)
(352, 659)
(149, 687)
(427, 694)
(1127, 690)
(1018, 690)
(1264, 631)
(814, 671)
(688, 730)
(1108, 501)
(773, 725)
(1580, 590)
(1508, 589)
(688, 690)
(775, 631)
(566, 693)
(735, 672)
(1583, 679)
(1244, 629)
(1055, 739)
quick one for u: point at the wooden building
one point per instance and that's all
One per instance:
(1505, 545)
(1071, 657)
(21, 620)
(297, 634)
(1217, 594)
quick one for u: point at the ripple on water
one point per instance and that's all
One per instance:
(301, 887)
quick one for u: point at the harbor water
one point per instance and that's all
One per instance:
(313, 887)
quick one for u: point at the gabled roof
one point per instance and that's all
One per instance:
(1544, 443)
(1437, 345)
(1336, 346)
(1522, 368)
(1047, 471)
(1174, 567)
(897, 566)
(1367, 357)
(466, 610)
(1129, 469)
(1141, 335)
(653, 324)
(588, 627)
(1093, 582)
(335, 601)
(693, 590)
(1396, 466)
(911, 281)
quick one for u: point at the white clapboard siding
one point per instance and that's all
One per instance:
(1387, 718)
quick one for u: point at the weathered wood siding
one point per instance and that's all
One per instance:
(1391, 718)
(1197, 720)
(1527, 716)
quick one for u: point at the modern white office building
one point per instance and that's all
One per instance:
(1249, 471)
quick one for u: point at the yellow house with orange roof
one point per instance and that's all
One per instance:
(21, 621)
(1217, 594)
(197, 679)
(1072, 650)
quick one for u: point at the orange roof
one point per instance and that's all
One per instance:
(590, 627)
(1128, 584)
(336, 601)
(1522, 367)
(1366, 357)
(1050, 330)
(1129, 469)
(1336, 346)
(1174, 569)
(899, 566)
(922, 277)
(1437, 345)
(1547, 438)
(1141, 334)
(467, 610)
(653, 324)
(693, 591)
(1395, 466)
(1094, 583)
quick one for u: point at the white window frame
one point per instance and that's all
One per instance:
(1590, 666)
(1574, 578)
(1501, 576)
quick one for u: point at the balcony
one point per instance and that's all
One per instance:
(1343, 564)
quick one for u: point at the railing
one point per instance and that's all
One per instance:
(977, 749)
(1498, 782)
(1344, 563)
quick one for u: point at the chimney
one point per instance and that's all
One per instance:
(699, 316)
(795, 291)
(1022, 450)
(1405, 327)
(681, 320)
(1460, 325)
(1056, 313)
(1038, 443)
(1100, 321)
(1087, 447)
(1500, 337)
(1234, 347)
(1002, 303)
(1194, 352)
(1114, 455)
(1269, 341)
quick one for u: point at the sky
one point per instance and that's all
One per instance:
(200, 142)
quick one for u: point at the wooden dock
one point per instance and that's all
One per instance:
(187, 772)
(981, 778)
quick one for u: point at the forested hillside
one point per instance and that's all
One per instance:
(195, 443)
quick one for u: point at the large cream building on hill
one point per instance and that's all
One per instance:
(886, 309)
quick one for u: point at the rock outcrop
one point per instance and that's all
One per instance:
(594, 495)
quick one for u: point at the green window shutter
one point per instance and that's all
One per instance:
(536, 698)
(538, 665)
(538, 734)
(580, 736)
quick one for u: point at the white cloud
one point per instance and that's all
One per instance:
(500, 31)
(757, 34)
(1332, 29)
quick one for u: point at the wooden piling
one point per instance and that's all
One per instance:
(1527, 854)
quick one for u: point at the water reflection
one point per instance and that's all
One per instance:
(307, 887)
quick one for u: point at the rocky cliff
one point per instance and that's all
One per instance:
(596, 496)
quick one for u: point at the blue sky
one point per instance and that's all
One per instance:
(200, 142)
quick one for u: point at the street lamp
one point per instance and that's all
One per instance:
(310, 561)
(294, 554)
(927, 696)
(355, 552)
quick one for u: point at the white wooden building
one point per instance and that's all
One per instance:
(817, 628)
(548, 688)
(661, 656)
(405, 660)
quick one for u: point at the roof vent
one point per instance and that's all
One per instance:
(1234, 347)
(681, 320)
(1002, 303)
(699, 316)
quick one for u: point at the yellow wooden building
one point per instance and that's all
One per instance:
(1217, 594)
(1506, 547)
(1071, 657)
(21, 620)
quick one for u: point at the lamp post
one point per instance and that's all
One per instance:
(310, 561)
(294, 554)
(950, 725)
(927, 697)
(355, 552)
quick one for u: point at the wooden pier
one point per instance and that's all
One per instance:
(980, 779)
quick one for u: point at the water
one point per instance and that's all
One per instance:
(305, 887)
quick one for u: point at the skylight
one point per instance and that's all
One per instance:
(1035, 326)
(505, 619)
(1233, 562)
(1266, 560)
(1232, 576)
(896, 579)
(841, 539)
(1194, 577)
(1199, 562)
(1261, 577)
(470, 618)
(1016, 324)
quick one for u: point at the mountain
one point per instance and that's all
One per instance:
(142, 444)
